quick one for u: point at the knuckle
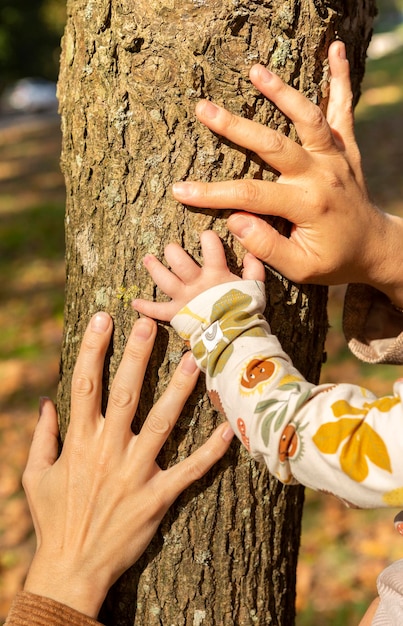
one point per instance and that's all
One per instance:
(121, 397)
(230, 121)
(83, 385)
(204, 190)
(135, 352)
(246, 193)
(273, 141)
(336, 177)
(264, 252)
(157, 424)
(347, 107)
(195, 469)
(180, 384)
(260, 246)
(317, 203)
(315, 117)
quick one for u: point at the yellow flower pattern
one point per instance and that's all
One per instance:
(394, 497)
(362, 440)
(231, 311)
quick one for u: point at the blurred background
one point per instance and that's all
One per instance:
(342, 550)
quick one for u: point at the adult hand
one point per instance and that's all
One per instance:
(97, 506)
(187, 279)
(337, 235)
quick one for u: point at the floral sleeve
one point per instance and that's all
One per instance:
(339, 439)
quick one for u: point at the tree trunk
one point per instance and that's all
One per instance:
(131, 74)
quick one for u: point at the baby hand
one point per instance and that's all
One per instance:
(186, 279)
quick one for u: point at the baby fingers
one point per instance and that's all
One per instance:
(166, 280)
(181, 264)
(163, 311)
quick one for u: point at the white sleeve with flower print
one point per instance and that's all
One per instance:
(339, 439)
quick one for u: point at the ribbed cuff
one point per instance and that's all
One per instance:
(28, 609)
(372, 326)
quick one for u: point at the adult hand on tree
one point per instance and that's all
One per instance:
(337, 234)
(97, 506)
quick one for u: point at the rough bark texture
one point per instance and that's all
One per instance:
(131, 74)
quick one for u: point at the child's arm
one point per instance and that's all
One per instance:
(340, 439)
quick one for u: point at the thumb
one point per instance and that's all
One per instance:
(45, 445)
(267, 244)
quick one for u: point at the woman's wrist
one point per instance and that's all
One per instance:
(80, 591)
(386, 273)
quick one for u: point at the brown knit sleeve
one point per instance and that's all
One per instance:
(29, 609)
(373, 327)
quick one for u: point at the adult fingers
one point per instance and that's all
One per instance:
(340, 107)
(86, 387)
(340, 114)
(282, 153)
(267, 244)
(256, 196)
(182, 475)
(311, 125)
(127, 384)
(166, 411)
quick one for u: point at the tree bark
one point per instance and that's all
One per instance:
(131, 74)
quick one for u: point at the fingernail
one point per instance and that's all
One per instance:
(147, 259)
(182, 190)
(188, 364)
(143, 329)
(342, 53)
(228, 433)
(100, 322)
(42, 401)
(210, 110)
(265, 74)
(239, 225)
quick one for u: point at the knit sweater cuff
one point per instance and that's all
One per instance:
(29, 609)
(373, 327)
